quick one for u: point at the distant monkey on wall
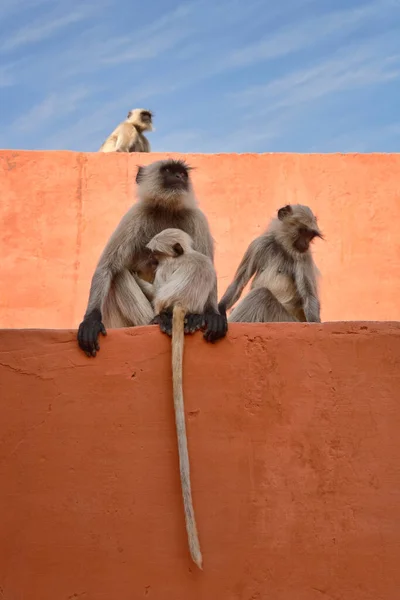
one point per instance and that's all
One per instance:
(128, 135)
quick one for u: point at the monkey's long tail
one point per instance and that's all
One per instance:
(178, 317)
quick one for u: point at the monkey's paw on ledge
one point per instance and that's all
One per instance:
(294, 454)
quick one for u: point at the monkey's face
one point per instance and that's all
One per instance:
(304, 237)
(141, 118)
(146, 119)
(166, 182)
(174, 175)
(300, 226)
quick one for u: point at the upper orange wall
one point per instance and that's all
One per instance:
(58, 209)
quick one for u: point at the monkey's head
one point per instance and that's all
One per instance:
(141, 118)
(170, 243)
(166, 183)
(299, 226)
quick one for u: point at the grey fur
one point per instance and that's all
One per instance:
(114, 291)
(188, 279)
(284, 287)
(182, 282)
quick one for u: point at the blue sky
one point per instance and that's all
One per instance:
(220, 75)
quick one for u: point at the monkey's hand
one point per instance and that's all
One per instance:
(193, 322)
(88, 333)
(216, 324)
(164, 320)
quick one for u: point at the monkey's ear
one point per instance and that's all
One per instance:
(285, 211)
(178, 249)
(129, 114)
(139, 174)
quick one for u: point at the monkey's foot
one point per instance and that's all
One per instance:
(89, 331)
(193, 322)
(164, 320)
(216, 326)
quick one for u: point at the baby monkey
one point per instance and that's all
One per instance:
(182, 285)
(284, 287)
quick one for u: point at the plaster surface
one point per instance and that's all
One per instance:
(58, 210)
(295, 457)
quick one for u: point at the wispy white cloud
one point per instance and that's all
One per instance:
(40, 30)
(160, 36)
(6, 76)
(12, 7)
(52, 108)
(354, 68)
(305, 33)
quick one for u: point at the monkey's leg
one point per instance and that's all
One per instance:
(129, 306)
(112, 316)
(259, 306)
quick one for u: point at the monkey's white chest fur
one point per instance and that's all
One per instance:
(280, 285)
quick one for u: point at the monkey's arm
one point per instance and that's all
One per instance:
(215, 321)
(146, 287)
(244, 273)
(116, 255)
(146, 144)
(307, 288)
(126, 138)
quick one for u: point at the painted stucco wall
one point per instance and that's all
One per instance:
(58, 209)
(295, 456)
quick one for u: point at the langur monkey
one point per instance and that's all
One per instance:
(284, 287)
(183, 281)
(166, 199)
(128, 135)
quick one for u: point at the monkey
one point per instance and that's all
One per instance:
(284, 287)
(128, 135)
(165, 199)
(183, 282)
(146, 287)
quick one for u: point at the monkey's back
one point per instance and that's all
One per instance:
(137, 141)
(187, 280)
(109, 144)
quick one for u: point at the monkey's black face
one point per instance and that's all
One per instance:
(146, 117)
(175, 176)
(304, 237)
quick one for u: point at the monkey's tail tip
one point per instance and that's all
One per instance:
(197, 558)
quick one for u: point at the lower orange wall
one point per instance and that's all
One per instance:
(58, 209)
(295, 452)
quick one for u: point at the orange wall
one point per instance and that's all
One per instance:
(58, 209)
(295, 465)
